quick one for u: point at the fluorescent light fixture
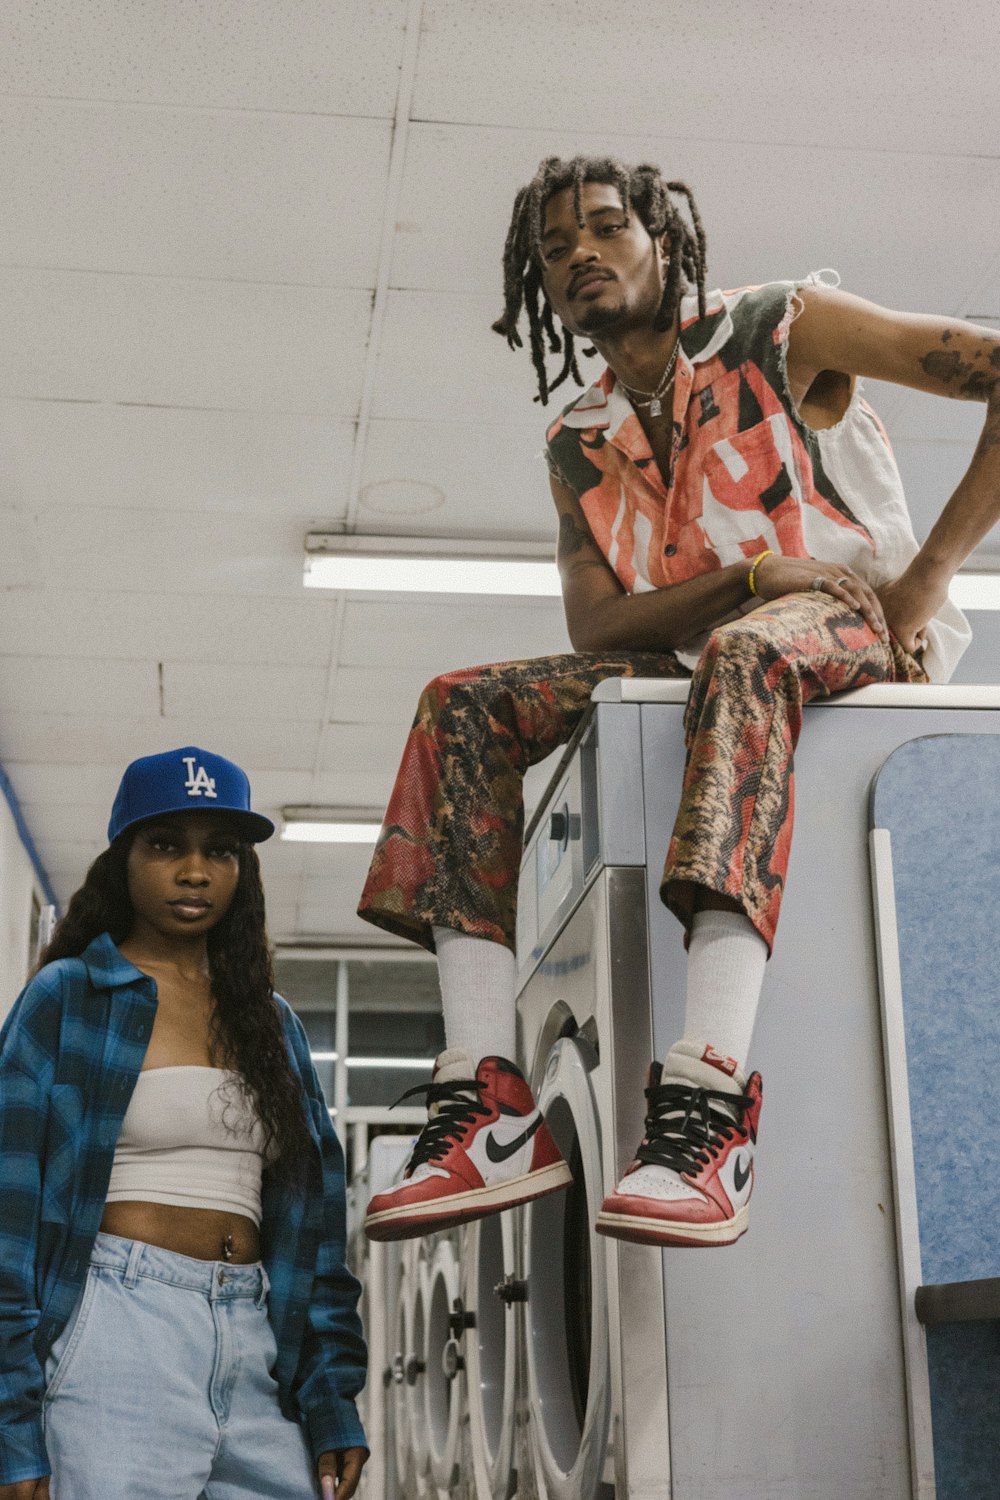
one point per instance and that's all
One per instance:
(429, 565)
(975, 590)
(331, 833)
(330, 825)
(324, 1056)
(390, 1062)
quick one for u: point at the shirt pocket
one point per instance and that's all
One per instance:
(750, 482)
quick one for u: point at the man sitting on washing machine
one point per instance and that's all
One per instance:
(730, 510)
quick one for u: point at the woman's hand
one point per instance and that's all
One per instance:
(26, 1489)
(339, 1472)
(776, 575)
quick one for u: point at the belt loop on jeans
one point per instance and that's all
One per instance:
(265, 1287)
(134, 1259)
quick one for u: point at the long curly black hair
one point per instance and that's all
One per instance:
(246, 1028)
(641, 188)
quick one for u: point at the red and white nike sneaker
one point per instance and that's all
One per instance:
(486, 1147)
(693, 1174)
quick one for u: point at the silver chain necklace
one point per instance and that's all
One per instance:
(654, 399)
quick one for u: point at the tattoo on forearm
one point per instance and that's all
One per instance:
(571, 537)
(990, 436)
(973, 372)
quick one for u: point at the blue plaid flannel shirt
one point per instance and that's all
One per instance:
(70, 1053)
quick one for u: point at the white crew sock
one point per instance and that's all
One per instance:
(726, 959)
(477, 994)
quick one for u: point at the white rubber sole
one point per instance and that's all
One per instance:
(645, 1230)
(411, 1219)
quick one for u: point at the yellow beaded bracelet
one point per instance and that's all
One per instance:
(755, 565)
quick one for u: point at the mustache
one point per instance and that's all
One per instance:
(587, 275)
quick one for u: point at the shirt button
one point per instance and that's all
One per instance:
(670, 549)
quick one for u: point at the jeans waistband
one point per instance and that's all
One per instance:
(218, 1280)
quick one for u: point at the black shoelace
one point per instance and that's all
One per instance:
(454, 1109)
(686, 1126)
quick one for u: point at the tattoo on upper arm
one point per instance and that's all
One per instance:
(973, 373)
(571, 537)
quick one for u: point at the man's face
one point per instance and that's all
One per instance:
(607, 277)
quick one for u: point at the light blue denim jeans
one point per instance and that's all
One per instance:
(160, 1385)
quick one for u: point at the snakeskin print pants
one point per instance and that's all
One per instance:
(450, 847)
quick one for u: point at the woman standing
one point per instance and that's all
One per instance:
(176, 1318)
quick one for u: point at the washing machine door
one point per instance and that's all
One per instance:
(416, 1372)
(402, 1347)
(443, 1380)
(492, 1289)
(566, 1316)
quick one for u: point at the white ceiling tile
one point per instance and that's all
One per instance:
(442, 637)
(355, 748)
(340, 921)
(124, 626)
(868, 75)
(340, 788)
(863, 212)
(71, 823)
(291, 693)
(152, 458)
(280, 860)
(167, 192)
(64, 785)
(306, 55)
(49, 685)
(71, 739)
(497, 484)
(280, 789)
(375, 695)
(216, 554)
(480, 382)
(68, 859)
(85, 337)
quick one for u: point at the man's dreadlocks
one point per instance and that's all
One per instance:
(641, 188)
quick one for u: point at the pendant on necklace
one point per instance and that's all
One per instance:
(655, 407)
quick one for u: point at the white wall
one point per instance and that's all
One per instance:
(17, 882)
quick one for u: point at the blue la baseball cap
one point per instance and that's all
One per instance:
(182, 780)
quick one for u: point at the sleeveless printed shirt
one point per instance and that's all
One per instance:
(747, 472)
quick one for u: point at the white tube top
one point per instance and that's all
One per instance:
(190, 1138)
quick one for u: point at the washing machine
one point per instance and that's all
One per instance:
(582, 952)
(771, 1369)
(386, 1308)
(445, 1324)
(494, 1291)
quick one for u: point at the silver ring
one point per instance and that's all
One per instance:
(841, 581)
(818, 583)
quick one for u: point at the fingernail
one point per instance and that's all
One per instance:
(329, 1487)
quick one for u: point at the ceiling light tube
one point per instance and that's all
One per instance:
(390, 1062)
(330, 825)
(429, 565)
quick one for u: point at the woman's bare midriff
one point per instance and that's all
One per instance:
(201, 1233)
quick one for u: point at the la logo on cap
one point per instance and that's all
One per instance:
(199, 783)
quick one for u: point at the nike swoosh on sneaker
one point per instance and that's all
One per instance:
(498, 1153)
(740, 1178)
